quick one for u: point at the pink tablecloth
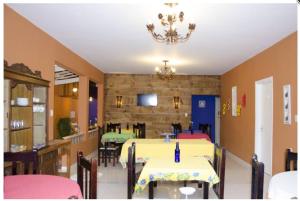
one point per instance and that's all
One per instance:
(193, 136)
(40, 187)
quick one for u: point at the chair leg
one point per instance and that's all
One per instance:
(114, 156)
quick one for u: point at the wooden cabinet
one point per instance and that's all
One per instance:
(25, 101)
(26, 120)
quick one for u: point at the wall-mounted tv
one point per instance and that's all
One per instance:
(147, 99)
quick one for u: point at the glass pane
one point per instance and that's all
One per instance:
(39, 116)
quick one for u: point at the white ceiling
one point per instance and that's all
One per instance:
(114, 38)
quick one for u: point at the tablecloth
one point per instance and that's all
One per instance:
(193, 136)
(283, 185)
(189, 168)
(40, 187)
(158, 148)
(117, 137)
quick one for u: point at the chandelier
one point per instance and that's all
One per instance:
(170, 36)
(165, 72)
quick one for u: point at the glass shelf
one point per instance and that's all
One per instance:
(19, 129)
(21, 106)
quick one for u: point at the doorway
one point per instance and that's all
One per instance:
(204, 110)
(264, 122)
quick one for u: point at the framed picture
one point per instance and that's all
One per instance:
(202, 104)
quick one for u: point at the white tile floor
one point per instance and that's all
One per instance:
(112, 183)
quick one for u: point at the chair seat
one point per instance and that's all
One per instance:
(187, 190)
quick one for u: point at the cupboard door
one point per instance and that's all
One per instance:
(39, 108)
(6, 100)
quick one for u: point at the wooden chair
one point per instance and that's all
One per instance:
(290, 157)
(219, 167)
(142, 130)
(107, 151)
(132, 175)
(135, 129)
(115, 127)
(25, 158)
(87, 176)
(257, 180)
(177, 128)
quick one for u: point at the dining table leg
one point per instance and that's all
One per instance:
(151, 189)
(205, 190)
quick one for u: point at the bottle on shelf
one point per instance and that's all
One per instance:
(177, 153)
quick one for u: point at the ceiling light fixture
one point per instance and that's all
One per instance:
(170, 36)
(165, 72)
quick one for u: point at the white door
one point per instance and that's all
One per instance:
(264, 122)
(217, 120)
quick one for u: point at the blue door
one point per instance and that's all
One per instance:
(203, 112)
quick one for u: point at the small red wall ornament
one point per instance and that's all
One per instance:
(244, 100)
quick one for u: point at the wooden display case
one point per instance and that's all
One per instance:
(26, 119)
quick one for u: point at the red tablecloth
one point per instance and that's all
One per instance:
(193, 136)
(40, 187)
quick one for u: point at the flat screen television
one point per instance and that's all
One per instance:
(147, 99)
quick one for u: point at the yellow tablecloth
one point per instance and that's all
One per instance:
(189, 168)
(157, 148)
(125, 131)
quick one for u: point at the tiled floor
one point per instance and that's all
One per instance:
(112, 183)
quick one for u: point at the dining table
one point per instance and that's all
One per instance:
(158, 148)
(166, 169)
(40, 187)
(283, 185)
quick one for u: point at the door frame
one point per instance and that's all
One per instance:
(257, 148)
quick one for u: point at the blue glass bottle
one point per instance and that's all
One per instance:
(177, 153)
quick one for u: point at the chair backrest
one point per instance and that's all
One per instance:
(219, 167)
(135, 128)
(177, 128)
(87, 176)
(290, 157)
(26, 158)
(115, 127)
(205, 128)
(257, 180)
(131, 171)
(142, 130)
(100, 134)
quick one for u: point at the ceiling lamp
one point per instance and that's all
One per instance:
(165, 72)
(168, 20)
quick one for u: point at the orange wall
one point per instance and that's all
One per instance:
(26, 43)
(237, 133)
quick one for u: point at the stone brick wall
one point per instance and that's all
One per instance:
(158, 119)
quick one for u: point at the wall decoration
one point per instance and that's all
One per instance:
(202, 104)
(287, 104)
(238, 110)
(176, 100)
(234, 100)
(224, 106)
(244, 100)
(228, 104)
(119, 101)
